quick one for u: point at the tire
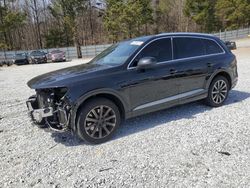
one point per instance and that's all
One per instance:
(218, 92)
(94, 128)
(31, 61)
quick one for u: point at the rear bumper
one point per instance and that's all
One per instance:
(21, 62)
(58, 59)
(234, 82)
(37, 61)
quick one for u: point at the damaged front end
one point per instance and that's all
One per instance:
(50, 107)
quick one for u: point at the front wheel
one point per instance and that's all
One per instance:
(98, 120)
(218, 92)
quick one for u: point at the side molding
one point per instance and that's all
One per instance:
(169, 99)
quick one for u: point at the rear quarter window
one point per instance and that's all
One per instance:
(212, 47)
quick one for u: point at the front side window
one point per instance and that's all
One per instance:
(185, 47)
(160, 49)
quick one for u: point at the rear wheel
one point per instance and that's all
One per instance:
(218, 92)
(98, 120)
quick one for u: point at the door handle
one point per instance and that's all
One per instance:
(173, 71)
(210, 64)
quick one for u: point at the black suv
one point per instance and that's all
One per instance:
(132, 78)
(37, 57)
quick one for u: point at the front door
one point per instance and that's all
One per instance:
(152, 88)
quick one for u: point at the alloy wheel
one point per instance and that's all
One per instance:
(219, 91)
(100, 122)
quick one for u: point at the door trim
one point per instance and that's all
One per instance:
(169, 99)
(129, 67)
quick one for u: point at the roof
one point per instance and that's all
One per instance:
(185, 33)
(150, 37)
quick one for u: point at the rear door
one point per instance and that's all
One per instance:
(193, 67)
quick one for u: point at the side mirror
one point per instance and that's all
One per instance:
(231, 45)
(146, 63)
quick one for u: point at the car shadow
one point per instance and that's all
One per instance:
(148, 121)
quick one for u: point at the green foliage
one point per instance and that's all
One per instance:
(3, 46)
(57, 38)
(203, 13)
(162, 8)
(68, 11)
(10, 20)
(113, 18)
(233, 13)
(126, 18)
(210, 14)
(13, 20)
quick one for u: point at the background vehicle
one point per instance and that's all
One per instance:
(231, 45)
(37, 57)
(21, 59)
(133, 78)
(57, 56)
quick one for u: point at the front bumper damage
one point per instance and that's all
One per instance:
(55, 114)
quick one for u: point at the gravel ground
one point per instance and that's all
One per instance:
(187, 146)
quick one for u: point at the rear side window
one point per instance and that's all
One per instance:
(185, 47)
(160, 49)
(212, 47)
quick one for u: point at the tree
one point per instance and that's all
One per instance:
(233, 13)
(36, 18)
(10, 21)
(203, 13)
(113, 19)
(68, 11)
(56, 37)
(126, 19)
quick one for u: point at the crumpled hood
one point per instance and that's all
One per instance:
(63, 77)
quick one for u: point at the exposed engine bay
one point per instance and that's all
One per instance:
(49, 107)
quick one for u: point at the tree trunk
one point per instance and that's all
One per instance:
(156, 15)
(77, 43)
(91, 25)
(38, 25)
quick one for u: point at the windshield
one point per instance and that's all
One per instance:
(21, 55)
(56, 52)
(37, 53)
(118, 53)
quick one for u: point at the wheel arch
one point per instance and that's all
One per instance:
(102, 93)
(223, 73)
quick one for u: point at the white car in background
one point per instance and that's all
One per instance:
(57, 56)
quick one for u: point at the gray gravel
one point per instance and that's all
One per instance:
(187, 146)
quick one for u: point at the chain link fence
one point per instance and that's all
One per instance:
(91, 51)
(70, 52)
(233, 34)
